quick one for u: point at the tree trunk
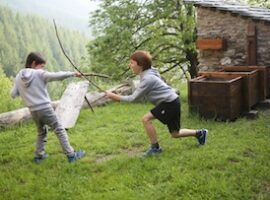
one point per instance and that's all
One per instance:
(94, 98)
(192, 58)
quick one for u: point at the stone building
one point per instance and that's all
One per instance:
(231, 34)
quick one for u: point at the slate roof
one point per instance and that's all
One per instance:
(234, 7)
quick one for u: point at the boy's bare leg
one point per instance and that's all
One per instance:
(149, 128)
(184, 133)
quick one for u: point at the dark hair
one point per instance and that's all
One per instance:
(143, 59)
(34, 56)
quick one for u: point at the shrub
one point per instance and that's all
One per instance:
(7, 103)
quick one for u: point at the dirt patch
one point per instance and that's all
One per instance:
(136, 151)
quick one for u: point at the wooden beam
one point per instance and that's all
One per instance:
(251, 44)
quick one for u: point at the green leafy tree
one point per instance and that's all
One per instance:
(164, 28)
(261, 3)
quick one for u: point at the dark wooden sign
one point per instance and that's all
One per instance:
(215, 44)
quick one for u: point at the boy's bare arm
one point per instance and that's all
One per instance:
(113, 96)
(14, 92)
(77, 74)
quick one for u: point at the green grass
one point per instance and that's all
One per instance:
(234, 164)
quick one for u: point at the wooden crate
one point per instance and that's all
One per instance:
(249, 87)
(264, 77)
(216, 97)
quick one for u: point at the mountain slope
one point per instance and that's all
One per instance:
(70, 13)
(20, 34)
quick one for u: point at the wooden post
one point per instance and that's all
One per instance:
(251, 44)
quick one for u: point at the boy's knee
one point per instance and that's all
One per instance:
(145, 119)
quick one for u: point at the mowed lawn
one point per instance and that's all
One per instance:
(234, 164)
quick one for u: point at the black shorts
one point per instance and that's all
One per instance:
(169, 113)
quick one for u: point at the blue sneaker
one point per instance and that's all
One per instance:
(77, 155)
(38, 159)
(202, 136)
(152, 151)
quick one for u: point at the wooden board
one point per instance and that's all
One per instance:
(71, 103)
(216, 44)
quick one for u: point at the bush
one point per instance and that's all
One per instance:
(7, 103)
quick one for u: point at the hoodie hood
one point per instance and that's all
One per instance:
(151, 71)
(26, 76)
(152, 88)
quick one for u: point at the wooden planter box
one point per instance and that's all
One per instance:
(249, 87)
(216, 97)
(263, 75)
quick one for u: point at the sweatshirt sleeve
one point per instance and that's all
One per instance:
(141, 91)
(56, 76)
(14, 91)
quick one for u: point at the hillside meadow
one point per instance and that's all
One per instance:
(234, 164)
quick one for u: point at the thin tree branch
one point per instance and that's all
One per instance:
(63, 50)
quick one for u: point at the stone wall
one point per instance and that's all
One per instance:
(233, 28)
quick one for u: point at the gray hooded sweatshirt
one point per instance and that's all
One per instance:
(31, 83)
(153, 88)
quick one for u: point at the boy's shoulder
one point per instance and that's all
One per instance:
(39, 71)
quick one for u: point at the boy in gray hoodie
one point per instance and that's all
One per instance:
(166, 101)
(30, 83)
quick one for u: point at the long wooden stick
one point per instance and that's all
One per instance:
(63, 50)
(98, 75)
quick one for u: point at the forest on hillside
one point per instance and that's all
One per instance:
(20, 34)
(73, 14)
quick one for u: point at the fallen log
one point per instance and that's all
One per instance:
(18, 116)
(99, 98)
(94, 98)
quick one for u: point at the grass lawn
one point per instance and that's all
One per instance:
(234, 164)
